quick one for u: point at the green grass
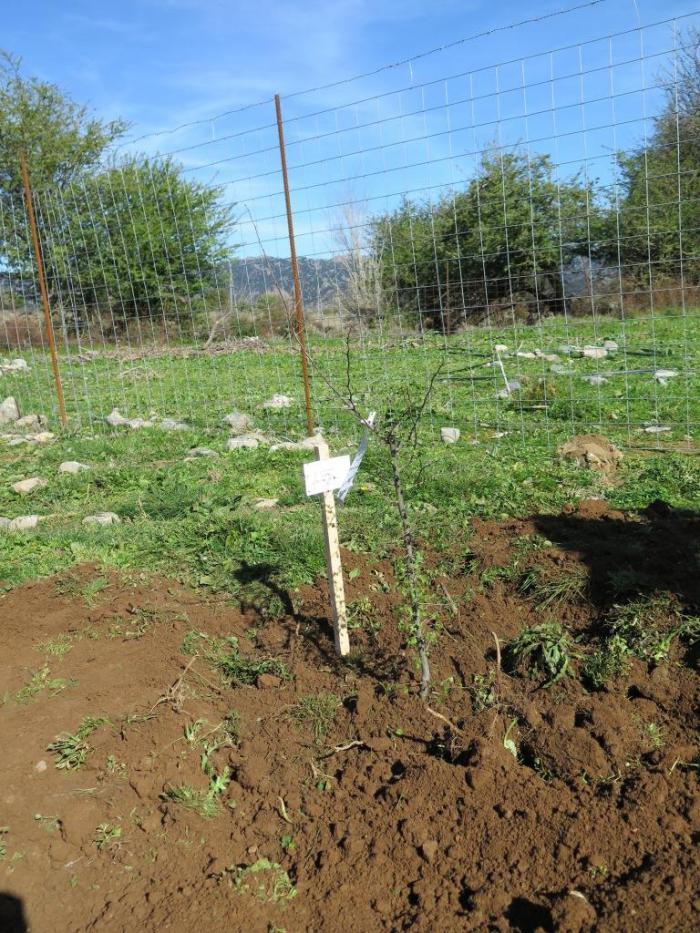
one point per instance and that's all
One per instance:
(194, 521)
(71, 749)
(545, 650)
(318, 711)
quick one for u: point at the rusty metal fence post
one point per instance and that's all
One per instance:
(298, 298)
(36, 244)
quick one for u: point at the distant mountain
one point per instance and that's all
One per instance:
(321, 279)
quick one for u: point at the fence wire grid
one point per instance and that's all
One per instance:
(530, 227)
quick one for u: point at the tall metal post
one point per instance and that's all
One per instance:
(298, 300)
(36, 243)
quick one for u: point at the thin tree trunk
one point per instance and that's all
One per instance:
(409, 546)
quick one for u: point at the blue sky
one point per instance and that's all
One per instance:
(162, 63)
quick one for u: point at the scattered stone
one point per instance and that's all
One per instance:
(449, 435)
(593, 452)
(595, 380)
(244, 441)
(102, 518)
(429, 850)
(8, 410)
(657, 429)
(17, 440)
(265, 504)
(115, 419)
(238, 422)
(611, 345)
(72, 467)
(169, 424)
(308, 443)
(550, 357)
(4, 522)
(24, 522)
(43, 437)
(137, 423)
(663, 375)
(559, 370)
(594, 353)
(500, 348)
(268, 681)
(202, 452)
(526, 355)
(14, 366)
(278, 401)
(40, 766)
(512, 386)
(25, 486)
(30, 423)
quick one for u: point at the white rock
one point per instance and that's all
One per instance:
(657, 429)
(102, 518)
(265, 504)
(595, 353)
(40, 766)
(14, 366)
(115, 418)
(308, 443)
(25, 486)
(16, 441)
(611, 345)
(526, 355)
(243, 440)
(8, 410)
(169, 424)
(137, 423)
(663, 375)
(595, 380)
(238, 422)
(202, 452)
(278, 401)
(30, 423)
(449, 435)
(24, 522)
(559, 370)
(43, 437)
(500, 348)
(72, 466)
(4, 522)
(550, 357)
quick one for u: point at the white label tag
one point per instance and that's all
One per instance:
(325, 475)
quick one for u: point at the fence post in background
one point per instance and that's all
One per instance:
(42, 287)
(298, 301)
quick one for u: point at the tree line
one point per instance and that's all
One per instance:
(133, 236)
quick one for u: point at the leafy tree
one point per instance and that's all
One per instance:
(60, 137)
(502, 240)
(656, 223)
(128, 237)
(135, 239)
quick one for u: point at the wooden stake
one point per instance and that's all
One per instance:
(334, 565)
(36, 243)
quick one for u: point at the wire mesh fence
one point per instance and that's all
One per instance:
(530, 228)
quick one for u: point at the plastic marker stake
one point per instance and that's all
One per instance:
(323, 476)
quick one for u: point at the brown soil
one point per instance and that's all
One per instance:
(396, 819)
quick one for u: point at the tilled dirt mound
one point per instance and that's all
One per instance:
(505, 805)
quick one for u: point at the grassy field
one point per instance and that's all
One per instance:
(197, 519)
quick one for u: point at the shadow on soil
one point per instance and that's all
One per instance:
(12, 919)
(656, 551)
